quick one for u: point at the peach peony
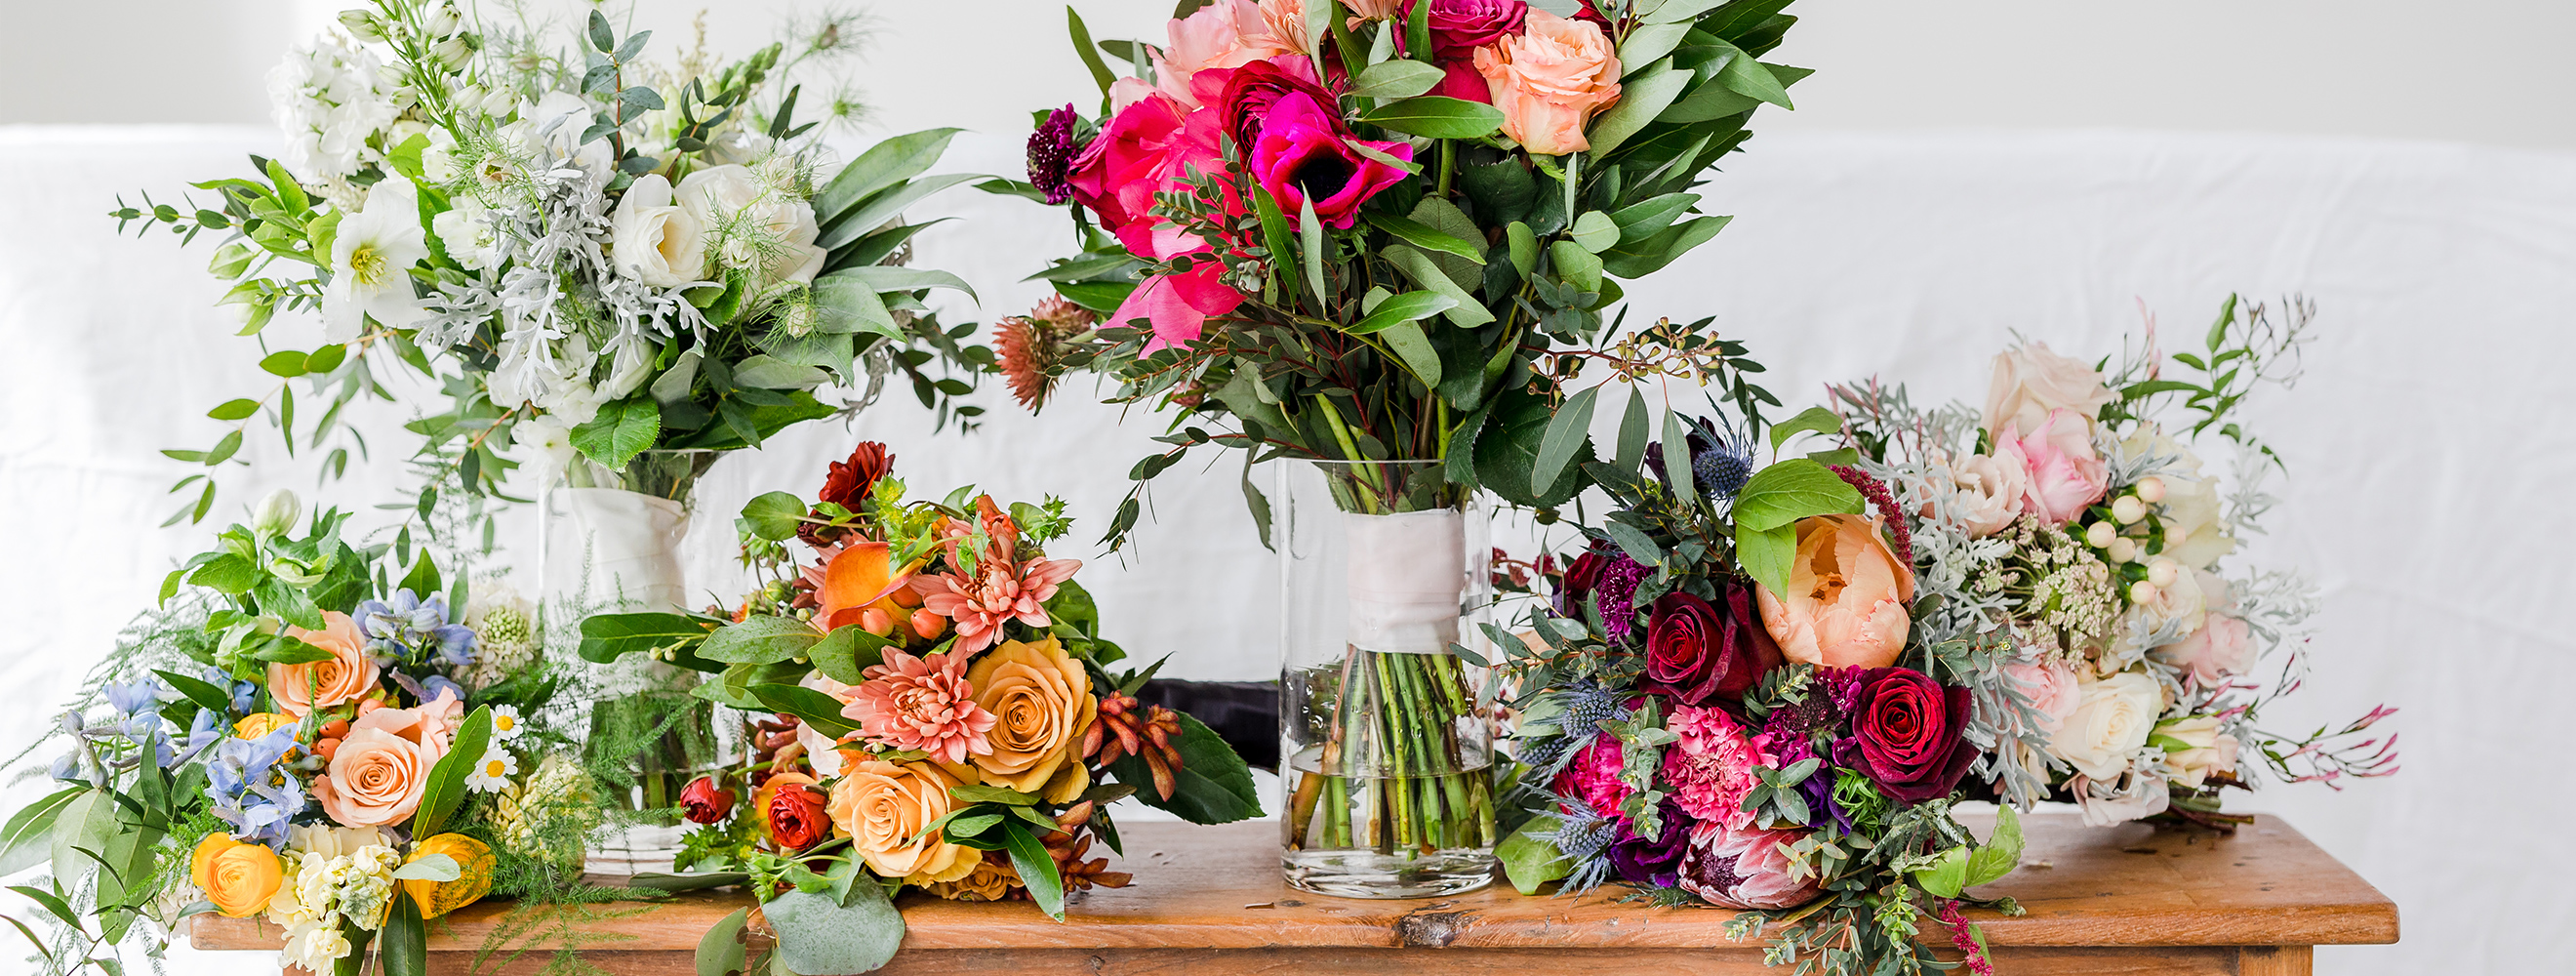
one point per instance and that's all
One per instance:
(377, 776)
(921, 703)
(1550, 80)
(346, 677)
(885, 807)
(1847, 600)
(2030, 382)
(2065, 474)
(239, 878)
(1042, 704)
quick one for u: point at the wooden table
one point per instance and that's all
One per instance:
(1208, 900)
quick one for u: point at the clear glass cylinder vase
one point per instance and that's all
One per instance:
(610, 542)
(1388, 752)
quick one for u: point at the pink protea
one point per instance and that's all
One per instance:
(1734, 868)
(1711, 768)
(1007, 591)
(921, 703)
(1594, 776)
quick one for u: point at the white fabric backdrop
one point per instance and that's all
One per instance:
(2426, 444)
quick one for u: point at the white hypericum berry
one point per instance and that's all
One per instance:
(2143, 592)
(2151, 489)
(2128, 509)
(2163, 571)
(2100, 534)
(2123, 549)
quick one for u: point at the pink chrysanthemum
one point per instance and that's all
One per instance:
(921, 703)
(1006, 591)
(1711, 768)
(1594, 776)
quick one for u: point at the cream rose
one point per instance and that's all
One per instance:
(750, 224)
(1551, 80)
(1990, 488)
(884, 807)
(349, 675)
(2031, 381)
(654, 240)
(1041, 700)
(2111, 720)
(2211, 751)
(382, 767)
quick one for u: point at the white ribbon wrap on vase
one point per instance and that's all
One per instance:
(614, 551)
(1407, 574)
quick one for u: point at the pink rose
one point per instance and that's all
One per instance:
(1461, 26)
(348, 676)
(2051, 688)
(377, 776)
(2065, 474)
(1550, 80)
(2219, 650)
(1223, 34)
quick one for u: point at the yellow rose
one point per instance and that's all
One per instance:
(259, 724)
(1042, 698)
(239, 878)
(885, 806)
(474, 863)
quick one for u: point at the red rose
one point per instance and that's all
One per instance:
(848, 485)
(1463, 25)
(1909, 734)
(704, 802)
(1696, 651)
(1251, 90)
(797, 819)
(1580, 576)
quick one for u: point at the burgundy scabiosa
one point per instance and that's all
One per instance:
(1051, 152)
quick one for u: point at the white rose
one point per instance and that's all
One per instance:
(655, 241)
(751, 224)
(2141, 797)
(2111, 720)
(2031, 381)
(1990, 487)
(2212, 751)
(2195, 536)
(2181, 600)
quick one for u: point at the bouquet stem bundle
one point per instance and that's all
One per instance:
(1395, 776)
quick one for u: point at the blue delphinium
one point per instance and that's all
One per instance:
(249, 792)
(134, 697)
(410, 629)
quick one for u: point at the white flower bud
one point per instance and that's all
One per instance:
(2128, 509)
(2163, 571)
(2123, 550)
(2151, 489)
(277, 513)
(2143, 592)
(2099, 534)
(455, 52)
(363, 24)
(443, 22)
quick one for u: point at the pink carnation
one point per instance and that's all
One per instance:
(1711, 768)
(921, 703)
(1594, 776)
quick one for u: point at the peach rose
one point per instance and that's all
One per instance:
(1042, 701)
(377, 776)
(885, 806)
(1550, 80)
(2211, 751)
(1847, 600)
(2031, 381)
(1374, 9)
(346, 677)
(1223, 34)
(239, 878)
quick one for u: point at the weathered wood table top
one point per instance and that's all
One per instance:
(2126, 899)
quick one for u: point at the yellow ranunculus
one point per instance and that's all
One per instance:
(237, 877)
(474, 863)
(261, 723)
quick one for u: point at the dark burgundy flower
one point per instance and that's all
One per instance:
(1251, 91)
(797, 818)
(1581, 575)
(1051, 152)
(1909, 734)
(704, 802)
(1696, 651)
(1653, 863)
(1461, 81)
(1306, 157)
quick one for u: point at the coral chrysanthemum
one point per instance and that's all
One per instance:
(921, 703)
(1004, 590)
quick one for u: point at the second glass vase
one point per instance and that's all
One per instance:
(1386, 747)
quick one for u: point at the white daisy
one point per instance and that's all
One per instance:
(505, 723)
(493, 772)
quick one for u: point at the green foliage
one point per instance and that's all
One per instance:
(1213, 784)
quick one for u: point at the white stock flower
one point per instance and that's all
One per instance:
(371, 260)
(2111, 720)
(314, 946)
(655, 241)
(327, 101)
(467, 233)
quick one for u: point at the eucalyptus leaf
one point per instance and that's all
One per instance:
(819, 934)
(1396, 79)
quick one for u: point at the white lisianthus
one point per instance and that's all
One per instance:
(2111, 720)
(466, 231)
(751, 224)
(655, 241)
(1990, 489)
(371, 260)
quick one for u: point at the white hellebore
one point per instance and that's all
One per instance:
(752, 224)
(371, 261)
(654, 240)
(2112, 719)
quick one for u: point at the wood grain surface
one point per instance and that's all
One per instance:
(1209, 899)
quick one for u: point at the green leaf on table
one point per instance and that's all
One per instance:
(721, 950)
(845, 654)
(1439, 117)
(404, 943)
(622, 429)
(818, 933)
(607, 636)
(1945, 875)
(1035, 866)
(1813, 419)
(1412, 306)
(1570, 430)
(1213, 785)
(1530, 862)
(820, 711)
(445, 791)
(882, 165)
(1396, 79)
(2000, 853)
(774, 516)
(760, 640)
(1791, 490)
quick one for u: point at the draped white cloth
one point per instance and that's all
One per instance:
(2427, 445)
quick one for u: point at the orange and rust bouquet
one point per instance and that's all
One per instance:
(928, 702)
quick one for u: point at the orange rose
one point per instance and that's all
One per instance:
(1550, 80)
(377, 775)
(885, 806)
(347, 676)
(1042, 700)
(1846, 606)
(239, 878)
(992, 880)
